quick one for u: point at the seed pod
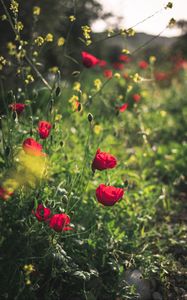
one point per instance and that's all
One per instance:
(90, 117)
(76, 73)
(79, 107)
(58, 91)
(126, 183)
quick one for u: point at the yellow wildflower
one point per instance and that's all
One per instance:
(49, 38)
(136, 77)
(76, 86)
(98, 129)
(14, 6)
(54, 69)
(28, 282)
(36, 10)
(117, 75)
(74, 98)
(3, 17)
(97, 84)
(152, 59)
(61, 41)
(72, 18)
(19, 26)
(125, 51)
(39, 41)
(29, 79)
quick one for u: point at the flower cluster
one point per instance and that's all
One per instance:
(106, 195)
(58, 222)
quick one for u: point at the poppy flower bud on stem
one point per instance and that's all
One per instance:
(58, 91)
(90, 117)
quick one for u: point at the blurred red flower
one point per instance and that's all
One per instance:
(122, 108)
(118, 66)
(102, 63)
(18, 107)
(42, 213)
(136, 97)
(107, 73)
(44, 129)
(125, 58)
(160, 76)
(103, 161)
(143, 65)
(60, 222)
(4, 194)
(89, 60)
(108, 195)
(31, 147)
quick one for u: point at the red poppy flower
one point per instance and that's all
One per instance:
(102, 63)
(122, 108)
(136, 97)
(160, 76)
(107, 73)
(18, 107)
(143, 64)
(103, 161)
(89, 60)
(42, 213)
(31, 147)
(125, 58)
(60, 222)
(108, 195)
(118, 66)
(4, 194)
(44, 129)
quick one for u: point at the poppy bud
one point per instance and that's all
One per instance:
(90, 117)
(126, 183)
(58, 91)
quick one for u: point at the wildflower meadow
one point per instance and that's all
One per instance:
(93, 156)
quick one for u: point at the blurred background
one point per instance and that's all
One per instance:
(148, 18)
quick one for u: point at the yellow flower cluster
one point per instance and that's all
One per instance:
(3, 62)
(28, 269)
(11, 48)
(72, 18)
(14, 6)
(136, 78)
(86, 33)
(125, 51)
(39, 41)
(36, 10)
(128, 32)
(29, 79)
(19, 26)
